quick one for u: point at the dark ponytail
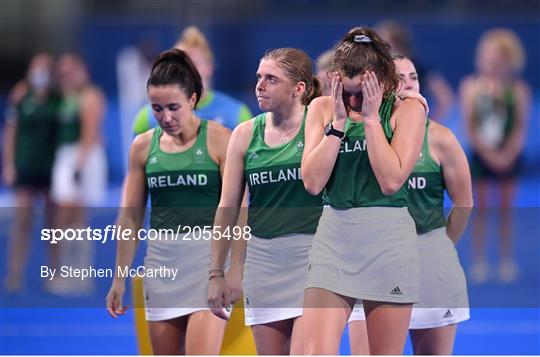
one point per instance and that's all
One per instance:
(361, 49)
(175, 67)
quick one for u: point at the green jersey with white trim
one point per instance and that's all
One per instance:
(278, 201)
(184, 187)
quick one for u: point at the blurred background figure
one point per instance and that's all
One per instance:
(496, 104)
(80, 166)
(214, 105)
(323, 65)
(436, 87)
(28, 148)
(132, 70)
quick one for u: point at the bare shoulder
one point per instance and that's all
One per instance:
(522, 88)
(141, 145)
(218, 135)
(468, 83)
(245, 129)
(322, 101)
(217, 131)
(407, 110)
(321, 104)
(18, 92)
(409, 103)
(93, 94)
(441, 140)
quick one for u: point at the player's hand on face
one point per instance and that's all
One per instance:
(339, 111)
(115, 308)
(372, 96)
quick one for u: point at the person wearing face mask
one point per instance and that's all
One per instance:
(441, 166)
(29, 145)
(214, 105)
(495, 104)
(179, 165)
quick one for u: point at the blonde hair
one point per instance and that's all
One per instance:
(325, 60)
(297, 67)
(192, 37)
(508, 43)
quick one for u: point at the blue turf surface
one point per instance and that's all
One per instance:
(505, 318)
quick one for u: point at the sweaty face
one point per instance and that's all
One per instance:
(407, 74)
(171, 107)
(352, 92)
(273, 88)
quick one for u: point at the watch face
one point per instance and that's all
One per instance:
(327, 129)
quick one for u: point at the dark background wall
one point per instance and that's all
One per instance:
(444, 34)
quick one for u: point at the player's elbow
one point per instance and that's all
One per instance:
(313, 186)
(390, 186)
(312, 182)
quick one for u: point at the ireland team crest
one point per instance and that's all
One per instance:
(299, 147)
(199, 155)
(420, 159)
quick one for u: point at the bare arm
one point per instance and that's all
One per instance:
(393, 162)
(9, 173)
(457, 178)
(442, 92)
(220, 137)
(228, 210)
(514, 145)
(231, 193)
(92, 114)
(131, 216)
(235, 275)
(467, 95)
(238, 247)
(320, 151)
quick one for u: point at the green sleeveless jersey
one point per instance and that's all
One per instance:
(278, 201)
(35, 141)
(494, 117)
(69, 130)
(353, 182)
(426, 191)
(184, 187)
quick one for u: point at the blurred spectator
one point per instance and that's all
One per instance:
(496, 104)
(324, 65)
(214, 105)
(29, 146)
(437, 88)
(80, 167)
(132, 70)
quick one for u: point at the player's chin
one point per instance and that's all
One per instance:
(265, 104)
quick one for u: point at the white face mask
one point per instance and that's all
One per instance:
(39, 78)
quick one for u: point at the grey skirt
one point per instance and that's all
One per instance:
(367, 253)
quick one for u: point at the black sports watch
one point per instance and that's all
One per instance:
(329, 130)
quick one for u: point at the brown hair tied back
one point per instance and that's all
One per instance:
(361, 49)
(297, 67)
(175, 67)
